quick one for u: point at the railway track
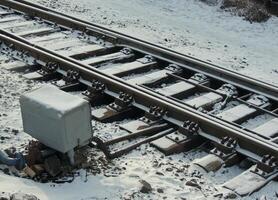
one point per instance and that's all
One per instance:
(174, 102)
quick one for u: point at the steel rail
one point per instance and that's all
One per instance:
(213, 128)
(162, 53)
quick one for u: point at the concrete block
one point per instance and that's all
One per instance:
(55, 118)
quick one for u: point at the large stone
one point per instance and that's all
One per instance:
(146, 187)
(57, 119)
(22, 196)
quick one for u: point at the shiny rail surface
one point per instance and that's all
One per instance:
(179, 102)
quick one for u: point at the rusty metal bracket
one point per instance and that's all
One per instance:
(70, 82)
(267, 166)
(122, 102)
(174, 68)
(226, 150)
(189, 128)
(72, 76)
(97, 88)
(127, 51)
(200, 78)
(49, 68)
(146, 59)
(155, 114)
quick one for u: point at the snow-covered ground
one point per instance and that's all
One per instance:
(189, 27)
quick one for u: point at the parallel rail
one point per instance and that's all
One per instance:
(186, 61)
(144, 96)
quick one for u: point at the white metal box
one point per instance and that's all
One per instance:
(57, 119)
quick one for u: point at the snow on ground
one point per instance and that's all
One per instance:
(189, 27)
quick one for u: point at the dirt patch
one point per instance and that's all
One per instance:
(250, 10)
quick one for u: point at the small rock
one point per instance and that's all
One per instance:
(230, 195)
(146, 187)
(22, 196)
(169, 169)
(193, 183)
(160, 190)
(219, 195)
(160, 173)
(15, 131)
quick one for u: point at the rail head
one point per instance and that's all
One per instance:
(188, 62)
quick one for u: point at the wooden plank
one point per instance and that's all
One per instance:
(268, 129)
(71, 42)
(135, 126)
(176, 88)
(246, 183)
(16, 25)
(122, 69)
(49, 37)
(9, 19)
(38, 31)
(205, 100)
(150, 78)
(5, 12)
(15, 66)
(106, 58)
(82, 50)
(236, 113)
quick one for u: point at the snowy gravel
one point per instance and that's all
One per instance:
(189, 27)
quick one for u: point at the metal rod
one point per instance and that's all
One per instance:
(147, 140)
(145, 131)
